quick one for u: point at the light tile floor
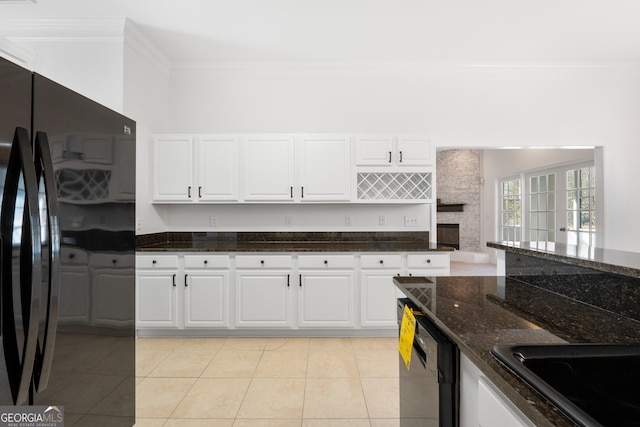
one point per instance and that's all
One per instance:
(263, 382)
(271, 382)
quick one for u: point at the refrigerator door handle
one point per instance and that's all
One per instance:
(51, 281)
(20, 361)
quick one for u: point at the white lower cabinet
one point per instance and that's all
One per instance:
(482, 404)
(206, 290)
(156, 291)
(315, 291)
(326, 291)
(170, 296)
(111, 292)
(429, 264)
(263, 291)
(377, 291)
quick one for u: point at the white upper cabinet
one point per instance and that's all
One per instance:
(268, 164)
(415, 151)
(217, 168)
(372, 150)
(172, 168)
(375, 150)
(192, 169)
(324, 172)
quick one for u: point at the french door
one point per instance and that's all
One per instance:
(561, 205)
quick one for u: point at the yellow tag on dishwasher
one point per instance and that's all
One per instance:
(407, 332)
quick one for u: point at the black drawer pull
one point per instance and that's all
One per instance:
(381, 261)
(189, 192)
(300, 278)
(389, 156)
(428, 261)
(288, 277)
(174, 280)
(401, 157)
(262, 262)
(326, 262)
(154, 261)
(185, 280)
(206, 261)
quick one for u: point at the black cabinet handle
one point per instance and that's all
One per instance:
(189, 192)
(428, 261)
(199, 192)
(185, 280)
(262, 262)
(401, 157)
(291, 189)
(288, 280)
(381, 261)
(302, 192)
(326, 262)
(300, 278)
(174, 280)
(153, 262)
(389, 156)
(206, 262)
(113, 261)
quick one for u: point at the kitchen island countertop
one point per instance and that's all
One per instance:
(480, 312)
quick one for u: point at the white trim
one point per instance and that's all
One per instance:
(140, 43)
(17, 55)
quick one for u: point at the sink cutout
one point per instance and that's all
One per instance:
(593, 384)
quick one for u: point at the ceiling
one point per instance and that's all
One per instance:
(466, 31)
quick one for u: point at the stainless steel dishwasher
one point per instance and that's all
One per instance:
(430, 388)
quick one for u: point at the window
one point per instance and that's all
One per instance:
(560, 206)
(542, 207)
(510, 210)
(581, 206)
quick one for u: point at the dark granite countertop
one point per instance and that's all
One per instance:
(287, 242)
(605, 260)
(480, 312)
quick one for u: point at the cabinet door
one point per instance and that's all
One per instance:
(263, 299)
(172, 169)
(217, 168)
(74, 301)
(205, 299)
(268, 168)
(326, 299)
(374, 151)
(378, 299)
(156, 297)
(415, 151)
(325, 168)
(123, 176)
(113, 296)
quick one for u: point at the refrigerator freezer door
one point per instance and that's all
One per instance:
(21, 267)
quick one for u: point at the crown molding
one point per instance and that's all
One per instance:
(140, 43)
(18, 55)
(63, 29)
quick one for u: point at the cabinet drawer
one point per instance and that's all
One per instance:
(206, 261)
(156, 261)
(73, 256)
(381, 261)
(326, 261)
(111, 261)
(265, 261)
(428, 260)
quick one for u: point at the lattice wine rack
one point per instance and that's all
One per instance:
(394, 186)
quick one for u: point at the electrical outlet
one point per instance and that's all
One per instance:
(138, 224)
(348, 221)
(382, 220)
(213, 221)
(410, 221)
(288, 221)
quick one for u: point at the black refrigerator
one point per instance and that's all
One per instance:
(67, 252)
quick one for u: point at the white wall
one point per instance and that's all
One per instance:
(458, 106)
(146, 97)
